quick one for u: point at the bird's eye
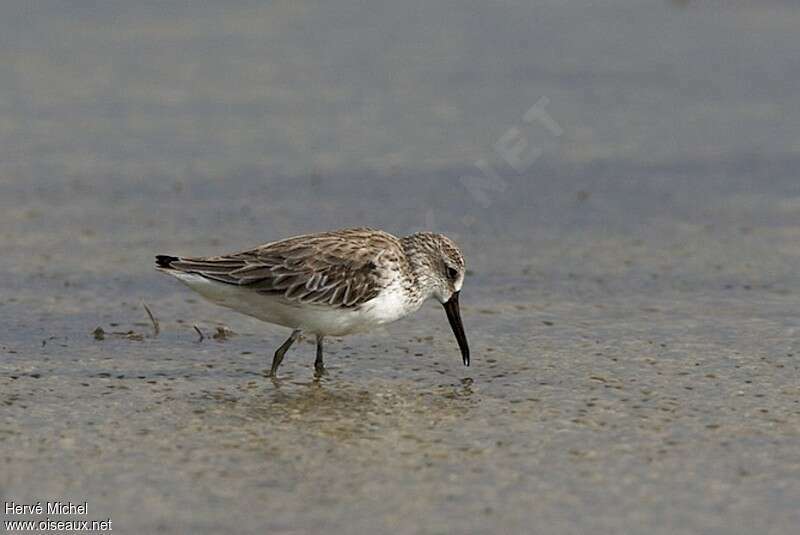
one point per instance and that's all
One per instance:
(452, 273)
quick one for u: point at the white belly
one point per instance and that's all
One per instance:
(388, 306)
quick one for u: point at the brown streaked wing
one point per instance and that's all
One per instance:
(340, 269)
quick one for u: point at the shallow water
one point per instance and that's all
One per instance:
(630, 302)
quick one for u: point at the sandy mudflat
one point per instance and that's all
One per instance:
(632, 298)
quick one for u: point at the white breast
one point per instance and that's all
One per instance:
(390, 305)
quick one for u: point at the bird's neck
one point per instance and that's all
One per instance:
(420, 264)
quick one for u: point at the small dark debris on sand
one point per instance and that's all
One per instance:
(100, 334)
(223, 333)
(197, 329)
(156, 326)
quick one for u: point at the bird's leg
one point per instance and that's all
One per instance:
(319, 366)
(278, 358)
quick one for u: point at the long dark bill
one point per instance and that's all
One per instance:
(454, 317)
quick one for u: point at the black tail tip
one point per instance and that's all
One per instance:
(164, 261)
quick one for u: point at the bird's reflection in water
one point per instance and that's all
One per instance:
(344, 410)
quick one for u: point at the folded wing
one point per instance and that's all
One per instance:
(341, 270)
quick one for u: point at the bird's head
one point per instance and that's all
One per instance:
(439, 265)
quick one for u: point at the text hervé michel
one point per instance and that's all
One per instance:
(51, 508)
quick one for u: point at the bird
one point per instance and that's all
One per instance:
(332, 283)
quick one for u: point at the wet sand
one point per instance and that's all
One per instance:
(631, 299)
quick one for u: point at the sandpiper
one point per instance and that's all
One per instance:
(331, 283)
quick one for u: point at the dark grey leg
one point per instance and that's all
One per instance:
(319, 366)
(278, 358)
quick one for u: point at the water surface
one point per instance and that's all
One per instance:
(631, 297)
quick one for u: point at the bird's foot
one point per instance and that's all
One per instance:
(271, 374)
